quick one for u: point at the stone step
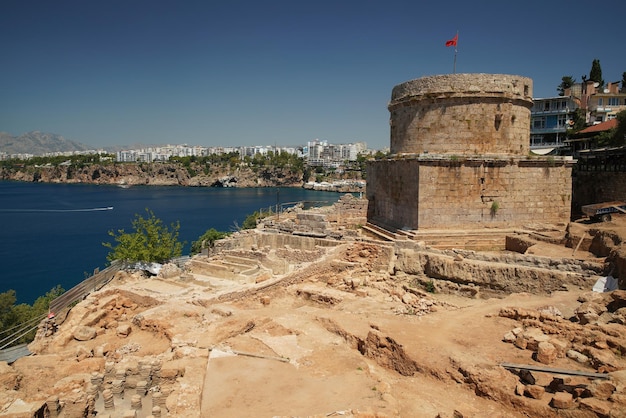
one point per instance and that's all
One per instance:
(379, 232)
(468, 239)
(241, 260)
(390, 234)
(236, 267)
(209, 268)
(477, 239)
(223, 269)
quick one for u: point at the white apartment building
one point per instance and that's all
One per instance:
(321, 153)
(316, 152)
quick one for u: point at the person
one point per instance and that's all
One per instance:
(51, 325)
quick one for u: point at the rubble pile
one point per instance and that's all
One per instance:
(592, 339)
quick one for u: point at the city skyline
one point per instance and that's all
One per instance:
(277, 72)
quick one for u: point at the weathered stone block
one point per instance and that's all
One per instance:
(534, 391)
(546, 353)
(562, 400)
(123, 330)
(83, 333)
(602, 389)
(600, 407)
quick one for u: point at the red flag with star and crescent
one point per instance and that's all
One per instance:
(453, 41)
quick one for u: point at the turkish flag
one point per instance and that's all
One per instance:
(452, 42)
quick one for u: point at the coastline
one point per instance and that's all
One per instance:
(46, 241)
(126, 175)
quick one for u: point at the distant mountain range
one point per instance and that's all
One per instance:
(38, 143)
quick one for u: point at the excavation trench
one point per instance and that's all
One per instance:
(384, 350)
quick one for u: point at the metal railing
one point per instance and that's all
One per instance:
(18, 331)
(281, 207)
(93, 283)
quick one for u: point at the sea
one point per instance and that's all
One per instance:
(52, 234)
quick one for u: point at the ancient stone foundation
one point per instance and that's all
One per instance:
(444, 193)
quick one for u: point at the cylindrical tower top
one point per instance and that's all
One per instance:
(462, 114)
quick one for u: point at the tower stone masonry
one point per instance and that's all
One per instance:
(460, 158)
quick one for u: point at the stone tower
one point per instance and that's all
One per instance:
(460, 146)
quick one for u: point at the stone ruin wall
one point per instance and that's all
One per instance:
(464, 114)
(495, 194)
(393, 192)
(349, 212)
(455, 194)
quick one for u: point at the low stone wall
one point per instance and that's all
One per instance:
(349, 212)
(255, 240)
(494, 273)
(466, 193)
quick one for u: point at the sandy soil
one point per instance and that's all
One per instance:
(326, 374)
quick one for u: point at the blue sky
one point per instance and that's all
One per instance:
(272, 72)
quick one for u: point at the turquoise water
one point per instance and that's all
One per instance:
(52, 233)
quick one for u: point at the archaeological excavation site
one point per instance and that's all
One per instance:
(459, 286)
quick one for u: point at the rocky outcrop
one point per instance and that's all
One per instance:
(156, 174)
(173, 174)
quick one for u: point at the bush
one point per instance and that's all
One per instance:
(16, 319)
(207, 240)
(252, 219)
(151, 242)
(430, 286)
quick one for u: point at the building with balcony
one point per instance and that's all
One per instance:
(604, 107)
(549, 120)
(552, 117)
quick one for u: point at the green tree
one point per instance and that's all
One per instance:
(42, 303)
(152, 241)
(207, 240)
(615, 137)
(579, 122)
(252, 219)
(566, 83)
(7, 315)
(619, 136)
(380, 155)
(18, 323)
(623, 89)
(596, 73)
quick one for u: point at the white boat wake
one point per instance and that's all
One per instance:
(58, 210)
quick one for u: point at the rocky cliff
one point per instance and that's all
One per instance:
(157, 174)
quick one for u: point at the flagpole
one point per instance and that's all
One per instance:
(453, 42)
(455, 51)
(454, 66)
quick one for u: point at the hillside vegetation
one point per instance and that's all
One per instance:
(225, 170)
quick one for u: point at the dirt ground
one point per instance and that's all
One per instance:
(332, 376)
(333, 337)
